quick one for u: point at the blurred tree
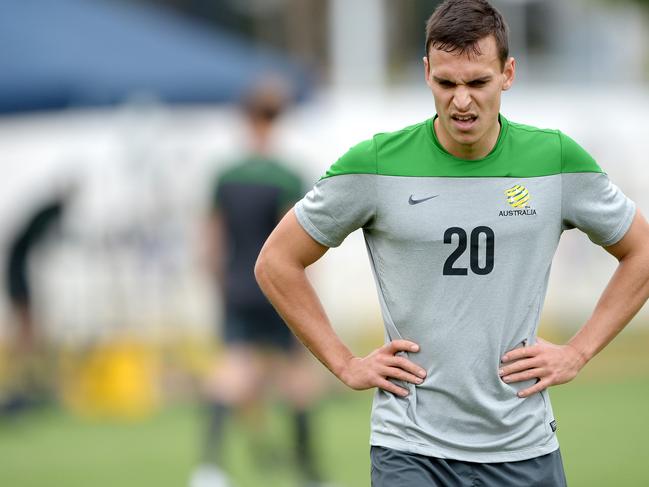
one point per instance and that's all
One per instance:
(644, 3)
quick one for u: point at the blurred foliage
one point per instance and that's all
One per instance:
(602, 420)
(642, 3)
(603, 428)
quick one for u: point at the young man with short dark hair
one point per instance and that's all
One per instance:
(461, 215)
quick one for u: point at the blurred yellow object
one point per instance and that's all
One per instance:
(119, 378)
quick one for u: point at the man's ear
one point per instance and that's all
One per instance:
(429, 81)
(509, 73)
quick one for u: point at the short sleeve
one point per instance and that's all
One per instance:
(589, 200)
(343, 200)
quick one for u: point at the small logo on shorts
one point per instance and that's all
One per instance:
(553, 425)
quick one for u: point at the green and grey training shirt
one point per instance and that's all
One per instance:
(461, 253)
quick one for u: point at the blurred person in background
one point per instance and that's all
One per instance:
(29, 383)
(461, 215)
(249, 198)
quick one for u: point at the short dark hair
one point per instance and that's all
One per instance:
(457, 26)
(266, 98)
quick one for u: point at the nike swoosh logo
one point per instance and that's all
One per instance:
(413, 201)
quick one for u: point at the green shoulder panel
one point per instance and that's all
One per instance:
(360, 159)
(574, 158)
(521, 151)
(532, 151)
(409, 152)
(261, 171)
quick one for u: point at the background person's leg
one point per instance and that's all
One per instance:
(301, 384)
(235, 385)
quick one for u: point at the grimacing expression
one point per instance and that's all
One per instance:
(467, 89)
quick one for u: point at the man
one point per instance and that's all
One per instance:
(461, 216)
(250, 197)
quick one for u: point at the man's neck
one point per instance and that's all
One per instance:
(482, 148)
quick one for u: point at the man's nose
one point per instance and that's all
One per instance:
(462, 98)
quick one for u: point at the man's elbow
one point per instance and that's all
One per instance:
(261, 268)
(267, 267)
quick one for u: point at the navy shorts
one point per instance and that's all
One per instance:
(259, 326)
(392, 468)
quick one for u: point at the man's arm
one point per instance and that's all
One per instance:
(623, 297)
(280, 272)
(213, 250)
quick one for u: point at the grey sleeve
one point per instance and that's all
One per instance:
(591, 203)
(336, 206)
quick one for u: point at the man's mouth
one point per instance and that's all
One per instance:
(464, 122)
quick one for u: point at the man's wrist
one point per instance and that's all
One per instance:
(342, 368)
(582, 355)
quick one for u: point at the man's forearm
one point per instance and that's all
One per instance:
(623, 297)
(287, 287)
(280, 272)
(553, 364)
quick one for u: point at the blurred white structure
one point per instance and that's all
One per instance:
(129, 259)
(358, 43)
(374, 42)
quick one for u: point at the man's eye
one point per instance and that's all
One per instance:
(446, 84)
(477, 83)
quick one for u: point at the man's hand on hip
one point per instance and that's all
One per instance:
(383, 364)
(549, 363)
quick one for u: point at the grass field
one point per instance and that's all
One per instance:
(603, 422)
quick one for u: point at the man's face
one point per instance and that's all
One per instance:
(467, 90)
